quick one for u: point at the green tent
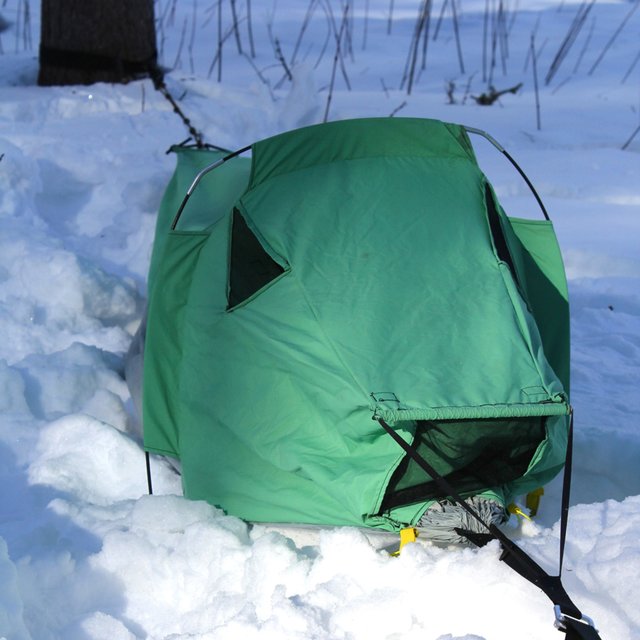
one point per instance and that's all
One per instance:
(343, 274)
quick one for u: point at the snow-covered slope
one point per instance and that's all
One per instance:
(84, 552)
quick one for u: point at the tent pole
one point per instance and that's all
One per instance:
(148, 463)
(508, 156)
(199, 177)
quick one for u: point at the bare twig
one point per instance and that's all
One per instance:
(280, 57)
(160, 31)
(450, 90)
(305, 24)
(534, 65)
(614, 36)
(222, 38)
(192, 37)
(390, 18)
(410, 67)
(260, 75)
(440, 18)
(349, 30)
(489, 97)
(494, 46)
(236, 28)
(327, 38)
(172, 13)
(26, 26)
(514, 15)
(456, 31)
(467, 89)
(485, 40)
(631, 68)
(502, 36)
(534, 32)
(252, 47)
(425, 34)
(630, 140)
(585, 46)
(18, 16)
(209, 13)
(366, 25)
(401, 106)
(384, 87)
(560, 85)
(180, 45)
(346, 39)
(569, 39)
(344, 28)
(336, 58)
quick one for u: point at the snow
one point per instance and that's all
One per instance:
(85, 553)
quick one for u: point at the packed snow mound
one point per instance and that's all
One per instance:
(85, 554)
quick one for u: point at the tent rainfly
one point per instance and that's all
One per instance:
(345, 277)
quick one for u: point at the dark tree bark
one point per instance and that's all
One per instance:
(87, 41)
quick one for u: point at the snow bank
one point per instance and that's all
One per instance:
(84, 552)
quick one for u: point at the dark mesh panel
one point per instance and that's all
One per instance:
(473, 455)
(250, 266)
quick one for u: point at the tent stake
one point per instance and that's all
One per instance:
(148, 463)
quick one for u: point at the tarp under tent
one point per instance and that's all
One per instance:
(343, 276)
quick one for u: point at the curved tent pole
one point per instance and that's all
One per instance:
(199, 177)
(479, 132)
(502, 150)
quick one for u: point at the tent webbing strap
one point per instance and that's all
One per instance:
(569, 619)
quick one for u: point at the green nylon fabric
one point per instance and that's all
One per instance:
(391, 302)
(175, 254)
(540, 269)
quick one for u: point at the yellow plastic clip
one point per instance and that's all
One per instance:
(517, 511)
(533, 500)
(410, 534)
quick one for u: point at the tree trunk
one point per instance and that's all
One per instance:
(87, 41)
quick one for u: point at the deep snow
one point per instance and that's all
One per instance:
(84, 552)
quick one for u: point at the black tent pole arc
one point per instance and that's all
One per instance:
(508, 156)
(479, 132)
(199, 177)
(148, 465)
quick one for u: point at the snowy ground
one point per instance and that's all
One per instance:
(84, 553)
